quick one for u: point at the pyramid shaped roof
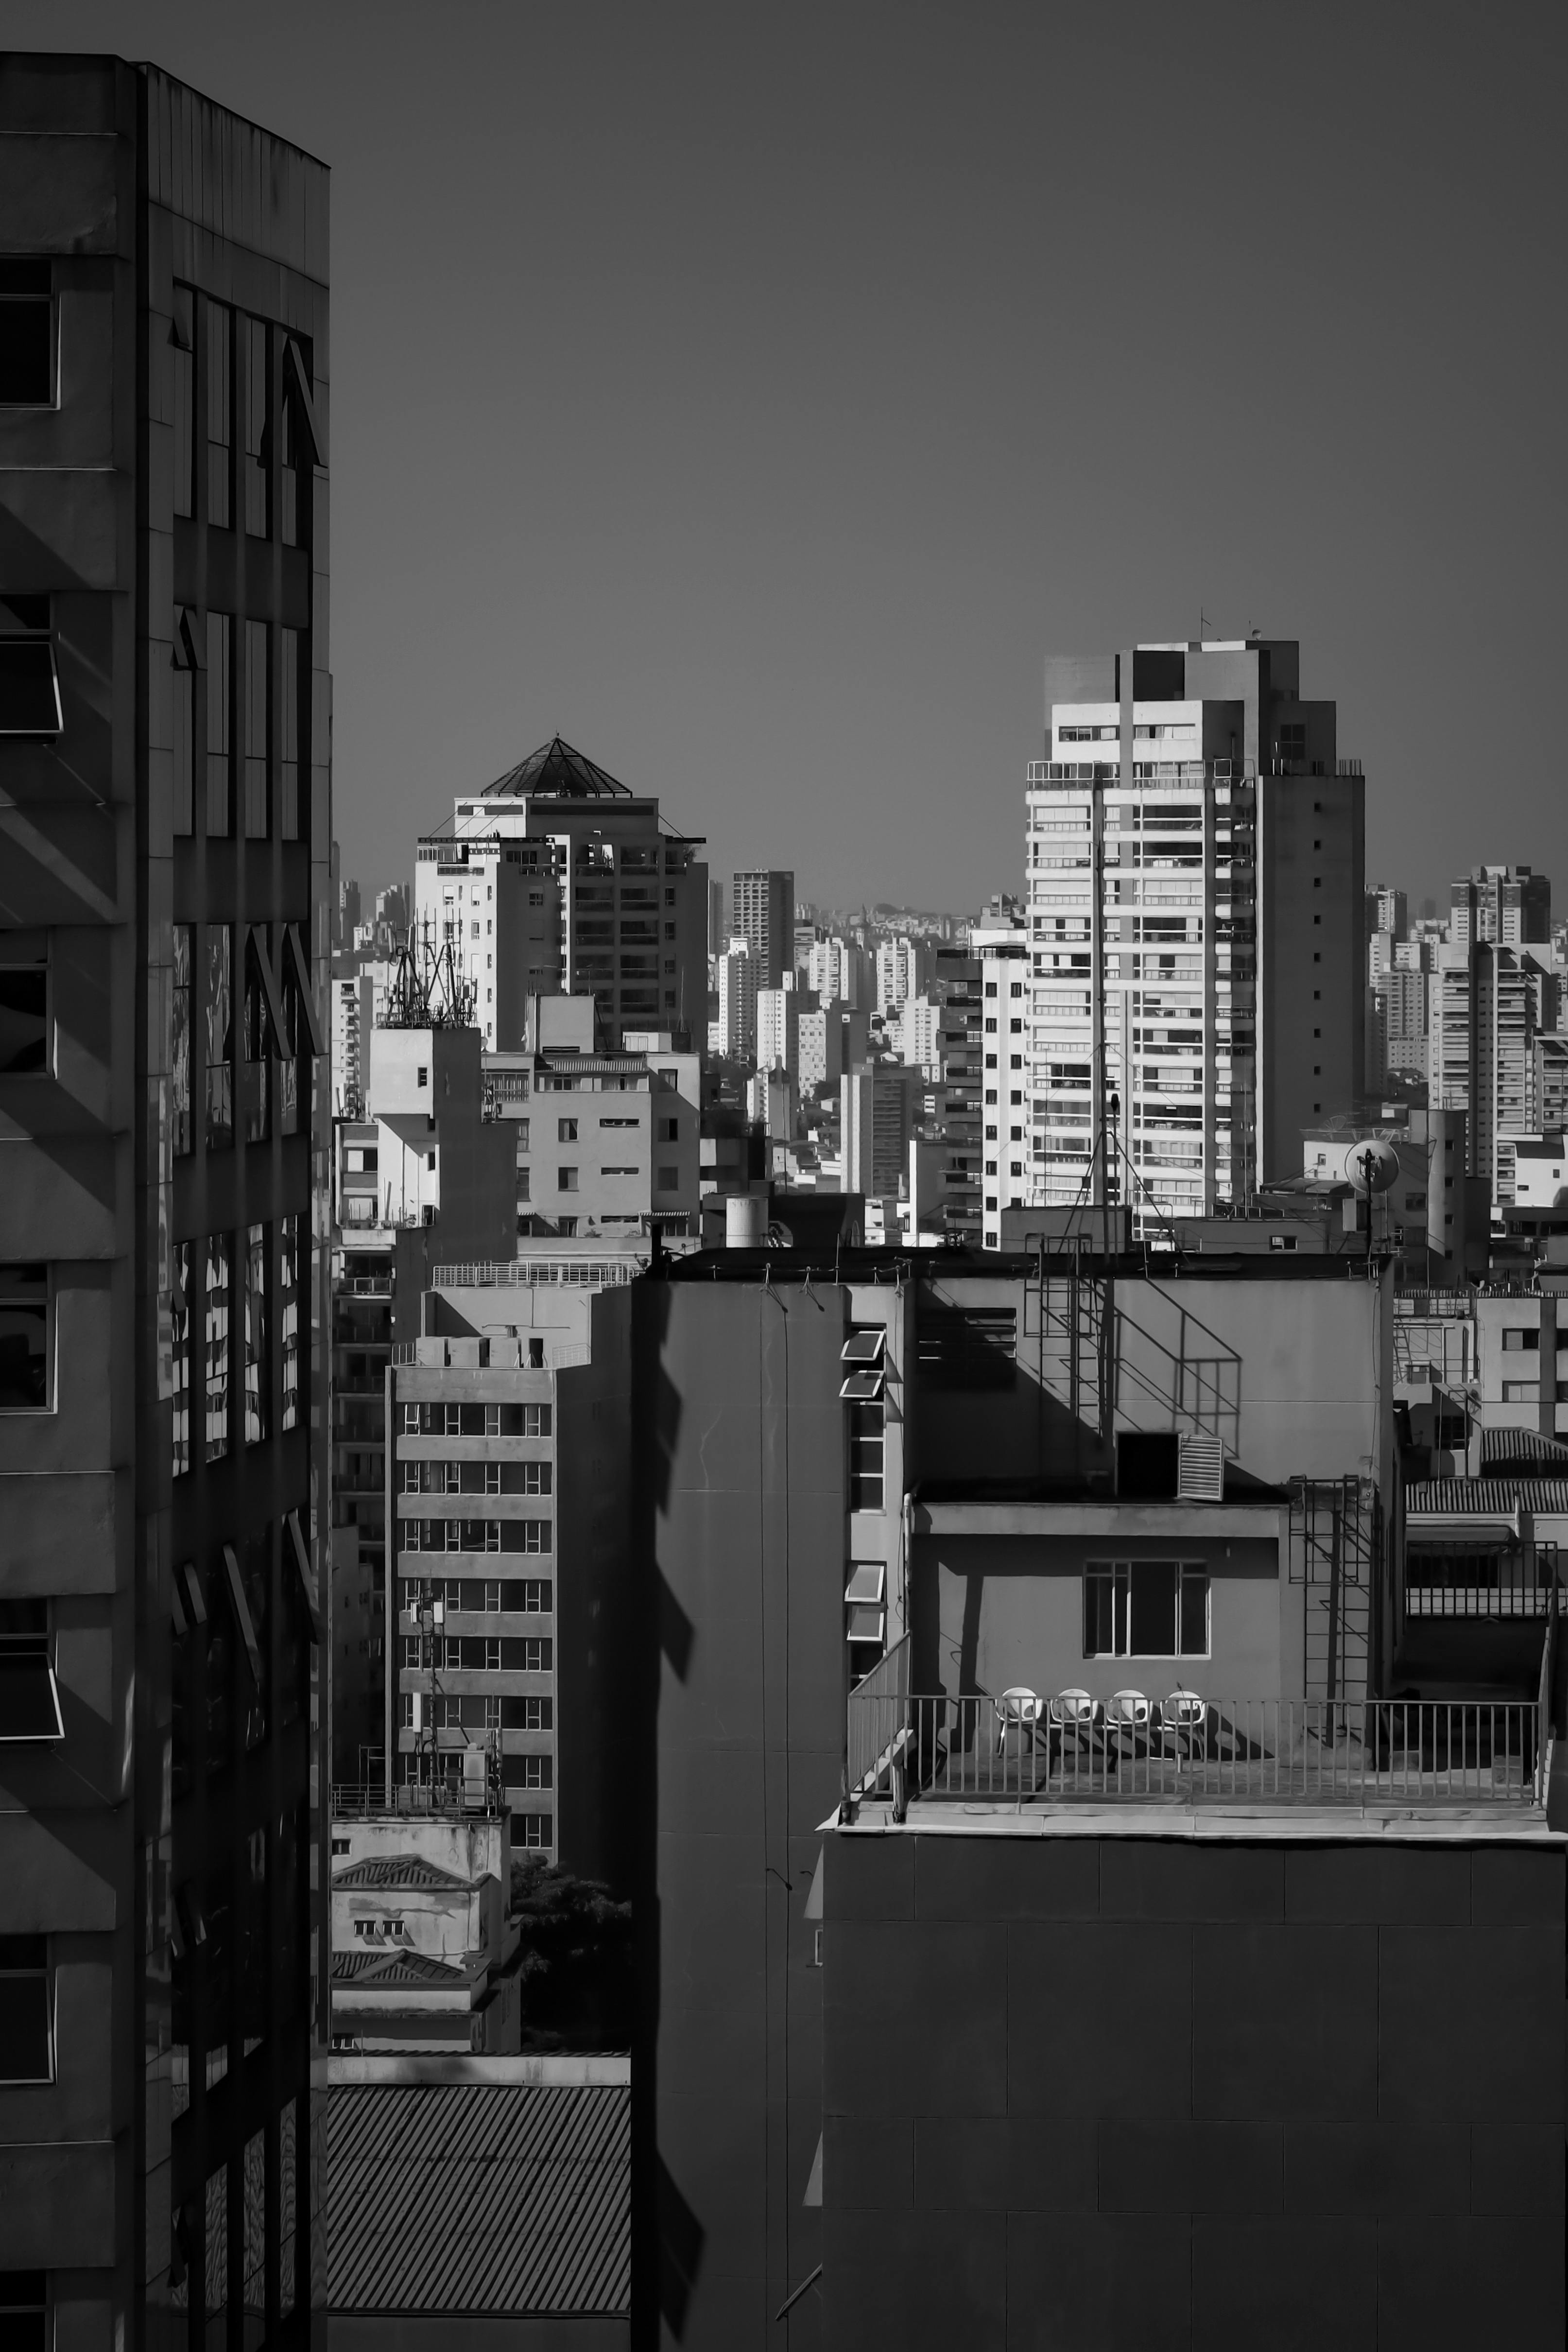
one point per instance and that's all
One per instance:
(555, 771)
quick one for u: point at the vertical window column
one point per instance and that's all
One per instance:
(289, 642)
(220, 408)
(219, 1039)
(182, 363)
(180, 1311)
(258, 1362)
(180, 1122)
(218, 1297)
(258, 731)
(253, 391)
(220, 724)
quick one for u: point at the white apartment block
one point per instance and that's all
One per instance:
(819, 1047)
(903, 967)
(840, 973)
(779, 1031)
(1196, 931)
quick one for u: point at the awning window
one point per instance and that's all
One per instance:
(864, 1347)
(866, 1624)
(861, 1388)
(29, 1699)
(866, 1582)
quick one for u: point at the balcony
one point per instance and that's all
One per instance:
(1019, 1748)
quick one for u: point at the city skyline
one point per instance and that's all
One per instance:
(806, 605)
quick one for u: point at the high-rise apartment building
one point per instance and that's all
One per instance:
(762, 913)
(903, 967)
(778, 1030)
(556, 879)
(874, 1111)
(735, 1035)
(1196, 919)
(165, 920)
(1490, 1004)
(1509, 904)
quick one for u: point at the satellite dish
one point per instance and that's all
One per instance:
(1371, 1166)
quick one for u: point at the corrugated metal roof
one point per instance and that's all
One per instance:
(398, 1870)
(1523, 1445)
(1494, 1498)
(480, 2196)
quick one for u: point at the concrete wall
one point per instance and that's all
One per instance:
(998, 1612)
(740, 1471)
(1118, 2092)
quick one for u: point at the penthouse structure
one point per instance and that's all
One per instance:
(164, 924)
(1105, 1548)
(1195, 889)
(558, 879)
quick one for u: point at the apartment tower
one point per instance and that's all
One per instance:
(165, 922)
(762, 913)
(556, 879)
(1196, 927)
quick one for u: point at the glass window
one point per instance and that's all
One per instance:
(256, 1030)
(180, 1320)
(289, 642)
(24, 1382)
(219, 1038)
(29, 685)
(218, 1345)
(26, 335)
(26, 2026)
(220, 401)
(289, 1304)
(1146, 1608)
(257, 733)
(24, 1018)
(220, 723)
(182, 338)
(254, 389)
(183, 725)
(257, 1369)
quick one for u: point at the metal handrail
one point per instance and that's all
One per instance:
(1357, 1752)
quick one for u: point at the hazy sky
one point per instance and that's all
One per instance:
(755, 395)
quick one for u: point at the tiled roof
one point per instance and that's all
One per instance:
(393, 1965)
(480, 2196)
(555, 771)
(394, 1870)
(1487, 1497)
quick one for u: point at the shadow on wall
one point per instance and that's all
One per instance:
(681, 2239)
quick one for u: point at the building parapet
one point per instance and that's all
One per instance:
(1020, 1748)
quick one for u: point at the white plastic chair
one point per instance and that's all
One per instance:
(1128, 1710)
(1018, 1707)
(1073, 1710)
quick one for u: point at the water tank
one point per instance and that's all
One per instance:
(745, 1220)
(1372, 1165)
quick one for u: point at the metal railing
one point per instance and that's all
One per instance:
(1024, 1749)
(1478, 1584)
(528, 1274)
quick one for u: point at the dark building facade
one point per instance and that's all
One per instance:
(1124, 2089)
(164, 715)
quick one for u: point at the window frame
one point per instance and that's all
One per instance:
(1117, 1573)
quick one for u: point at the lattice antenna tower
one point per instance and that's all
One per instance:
(429, 990)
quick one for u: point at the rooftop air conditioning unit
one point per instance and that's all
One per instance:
(1200, 1473)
